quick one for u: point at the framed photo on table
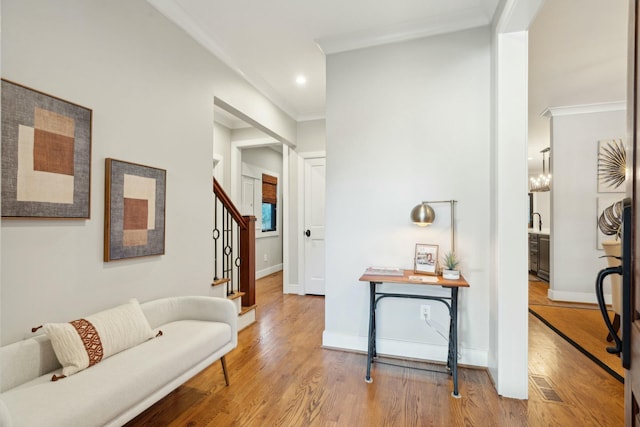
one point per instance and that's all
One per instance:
(426, 259)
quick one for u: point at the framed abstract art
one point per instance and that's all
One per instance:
(135, 197)
(46, 155)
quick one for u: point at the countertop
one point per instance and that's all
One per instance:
(536, 231)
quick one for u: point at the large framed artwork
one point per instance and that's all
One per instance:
(46, 155)
(135, 197)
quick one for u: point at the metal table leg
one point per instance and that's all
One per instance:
(453, 344)
(451, 340)
(372, 330)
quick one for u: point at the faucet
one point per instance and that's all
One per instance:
(539, 220)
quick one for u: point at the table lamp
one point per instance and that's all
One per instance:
(423, 215)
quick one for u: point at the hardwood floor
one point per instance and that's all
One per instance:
(280, 376)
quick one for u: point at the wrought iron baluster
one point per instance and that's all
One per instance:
(237, 260)
(228, 242)
(216, 237)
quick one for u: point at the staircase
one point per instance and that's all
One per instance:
(234, 256)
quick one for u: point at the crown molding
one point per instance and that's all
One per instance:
(311, 116)
(174, 13)
(584, 109)
(463, 20)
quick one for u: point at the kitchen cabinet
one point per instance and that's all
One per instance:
(533, 253)
(543, 257)
(539, 260)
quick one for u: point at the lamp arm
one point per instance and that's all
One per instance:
(453, 220)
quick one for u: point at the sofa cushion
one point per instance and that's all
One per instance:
(121, 381)
(87, 341)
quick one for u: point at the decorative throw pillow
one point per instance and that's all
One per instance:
(85, 342)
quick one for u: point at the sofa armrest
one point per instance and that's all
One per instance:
(212, 309)
(5, 416)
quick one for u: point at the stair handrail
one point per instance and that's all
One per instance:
(226, 201)
(247, 279)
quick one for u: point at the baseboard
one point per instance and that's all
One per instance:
(582, 297)
(404, 349)
(246, 319)
(267, 271)
(293, 288)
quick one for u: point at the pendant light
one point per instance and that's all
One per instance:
(542, 182)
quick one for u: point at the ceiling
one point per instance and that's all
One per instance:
(577, 47)
(270, 43)
(577, 56)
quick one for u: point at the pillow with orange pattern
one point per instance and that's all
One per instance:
(84, 342)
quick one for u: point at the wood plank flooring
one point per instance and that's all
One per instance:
(280, 376)
(581, 322)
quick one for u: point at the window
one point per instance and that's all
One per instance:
(269, 202)
(268, 217)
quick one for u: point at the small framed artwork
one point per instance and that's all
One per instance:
(134, 223)
(46, 155)
(426, 259)
(612, 161)
(609, 222)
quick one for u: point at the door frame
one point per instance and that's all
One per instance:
(235, 172)
(303, 157)
(630, 335)
(236, 191)
(508, 358)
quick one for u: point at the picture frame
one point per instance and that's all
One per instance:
(426, 259)
(611, 166)
(602, 203)
(135, 202)
(46, 155)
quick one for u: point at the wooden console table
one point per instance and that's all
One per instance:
(451, 302)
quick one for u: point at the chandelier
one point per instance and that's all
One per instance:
(542, 182)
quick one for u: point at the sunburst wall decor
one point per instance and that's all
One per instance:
(612, 160)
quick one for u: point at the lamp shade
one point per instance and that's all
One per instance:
(423, 215)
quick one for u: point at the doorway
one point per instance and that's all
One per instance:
(577, 77)
(312, 261)
(242, 148)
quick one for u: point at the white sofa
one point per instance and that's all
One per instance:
(197, 331)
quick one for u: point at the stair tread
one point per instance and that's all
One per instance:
(220, 281)
(246, 309)
(235, 295)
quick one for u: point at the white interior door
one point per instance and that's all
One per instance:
(314, 197)
(248, 197)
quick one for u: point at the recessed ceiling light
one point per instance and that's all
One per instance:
(301, 80)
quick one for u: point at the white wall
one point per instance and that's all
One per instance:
(311, 136)
(407, 122)
(222, 147)
(267, 161)
(575, 132)
(247, 133)
(151, 89)
(508, 355)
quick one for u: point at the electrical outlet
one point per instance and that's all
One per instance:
(265, 258)
(425, 312)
